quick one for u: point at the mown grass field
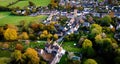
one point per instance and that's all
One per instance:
(25, 3)
(6, 2)
(6, 18)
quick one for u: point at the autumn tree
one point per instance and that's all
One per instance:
(115, 45)
(49, 35)
(32, 36)
(11, 26)
(16, 57)
(45, 34)
(54, 3)
(106, 46)
(19, 47)
(95, 30)
(87, 49)
(98, 39)
(34, 26)
(80, 8)
(51, 27)
(90, 61)
(55, 36)
(87, 43)
(32, 55)
(41, 26)
(24, 36)
(10, 34)
(68, 6)
(106, 20)
(111, 14)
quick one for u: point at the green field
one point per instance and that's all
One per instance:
(6, 2)
(6, 18)
(20, 4)
(24, 3)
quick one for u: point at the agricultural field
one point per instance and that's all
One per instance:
(6, 18)
(24, 3)
(6, 2)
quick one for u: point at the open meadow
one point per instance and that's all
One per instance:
(25, 3)
(6, 2)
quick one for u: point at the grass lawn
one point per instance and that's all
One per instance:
(6, 18)
(6, 2)
(40, 44)
(69, 46)
(64, 60)
(24, 3)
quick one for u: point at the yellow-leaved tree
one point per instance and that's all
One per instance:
(87, 43)
(32, 55)
(55, 36)
(10, 34)
(17, 56)
(24, 36)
